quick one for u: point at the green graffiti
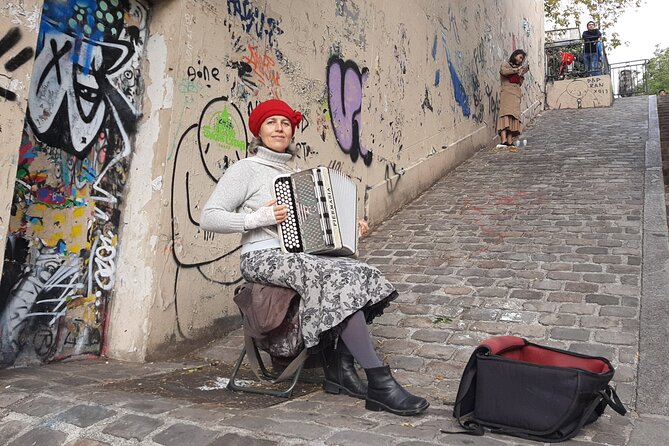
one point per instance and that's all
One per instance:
(23, 171)
(222, 131)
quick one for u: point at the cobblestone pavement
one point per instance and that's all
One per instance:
(544, 243)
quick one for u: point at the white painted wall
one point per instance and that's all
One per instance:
(585, 92)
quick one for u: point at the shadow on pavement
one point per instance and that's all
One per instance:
(207, 384)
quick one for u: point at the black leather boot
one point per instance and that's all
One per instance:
(384, 393)
(340, 374)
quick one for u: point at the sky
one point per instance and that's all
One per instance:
(643, 28)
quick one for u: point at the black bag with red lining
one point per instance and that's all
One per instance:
(515, 387)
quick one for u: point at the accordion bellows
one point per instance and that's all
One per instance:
(322, 216)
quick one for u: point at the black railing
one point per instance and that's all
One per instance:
(565, 58)
(629, 78)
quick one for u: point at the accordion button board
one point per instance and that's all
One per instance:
(290, 230)
(321, 203)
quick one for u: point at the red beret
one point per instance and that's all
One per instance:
(273, 107)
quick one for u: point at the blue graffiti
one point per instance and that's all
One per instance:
(85, 20)
(255, 21)
(458, 89)
(437, 74)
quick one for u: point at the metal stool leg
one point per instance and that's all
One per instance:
(234, 385)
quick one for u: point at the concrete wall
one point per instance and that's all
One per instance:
(420, 85)
(395, 96)
(586, 92)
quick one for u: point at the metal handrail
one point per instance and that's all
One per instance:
(627, 78)
(556, 66)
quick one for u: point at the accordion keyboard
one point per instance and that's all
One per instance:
(290, 227)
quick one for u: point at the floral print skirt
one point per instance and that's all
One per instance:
(331, 288)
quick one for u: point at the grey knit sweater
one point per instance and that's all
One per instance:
(245, 187)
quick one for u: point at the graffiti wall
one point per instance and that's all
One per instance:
(392, 99)
(585, 92)
(72, 165)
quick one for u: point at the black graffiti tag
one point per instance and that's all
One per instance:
(9, 40)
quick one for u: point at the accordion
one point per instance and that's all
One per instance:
(322, 217)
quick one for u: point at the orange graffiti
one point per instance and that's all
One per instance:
(264, 70)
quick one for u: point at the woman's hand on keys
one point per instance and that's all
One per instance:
(280, 211)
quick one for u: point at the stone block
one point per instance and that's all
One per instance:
(41, 436)
(132, 426)
(180, 434)
(85, 415)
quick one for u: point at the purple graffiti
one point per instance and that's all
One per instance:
(345, 98)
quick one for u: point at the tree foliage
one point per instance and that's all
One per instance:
(657, 70)
(604, 13)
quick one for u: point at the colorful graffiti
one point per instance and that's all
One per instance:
(264, 69)
(8, 41)
(79, 49)
(257, 67)
(344, 80)
(222, 130)
(60, 260)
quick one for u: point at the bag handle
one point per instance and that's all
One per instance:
(607, 395)
(611, 397)
(499, 344)
(470, 427)
(292, 368)
(252, 353)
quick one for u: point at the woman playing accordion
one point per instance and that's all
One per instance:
(339, 295)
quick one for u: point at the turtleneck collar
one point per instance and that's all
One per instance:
(272, 156)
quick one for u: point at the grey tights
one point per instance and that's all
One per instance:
(359, 342)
